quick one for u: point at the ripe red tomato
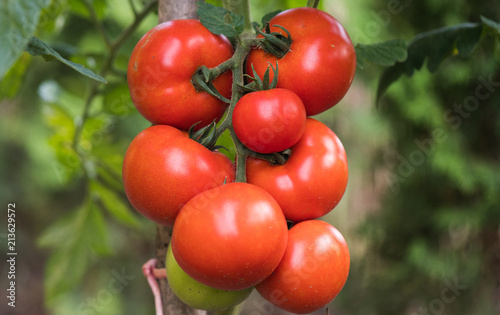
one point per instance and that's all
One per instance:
(321, 63)
(163, 169)
(312, 181)
(269, 121)
(313, 270)
(161, 67)
(230, 237)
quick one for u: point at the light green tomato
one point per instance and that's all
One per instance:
(198, 295)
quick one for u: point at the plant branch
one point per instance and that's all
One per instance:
(132, 7)
(113, 48)
(100, 28)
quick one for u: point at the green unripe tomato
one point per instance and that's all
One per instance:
(197, 295)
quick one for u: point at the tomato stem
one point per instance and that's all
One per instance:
(240, 7)
(313, 3)
(236, 63)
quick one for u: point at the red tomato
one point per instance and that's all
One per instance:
(163, 169)
(230, 237)
(321, 63)
(269, 121)
(313, 180)
(313, 270)
(161, 67)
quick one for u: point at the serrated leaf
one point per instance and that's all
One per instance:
(114, 204)
(385, 54)
(18, 22)
(220, 21)
(434, 46)
(36, 47)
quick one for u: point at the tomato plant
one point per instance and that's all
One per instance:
(230, 237)
(163, 169)
(313, 270)
(162, 65)
(319, 65)
(227, 236)
(198, 295)
(278, 119)
(313, 179)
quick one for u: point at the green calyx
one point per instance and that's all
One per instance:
(202, 81)
(258, 84)
(275, 42)
(206, 136)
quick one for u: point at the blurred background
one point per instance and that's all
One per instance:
(421, 214)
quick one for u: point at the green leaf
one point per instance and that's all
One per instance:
(96, 232)
(266, 18)
(220, 21)
(434, 46)
(385, 54)
(78, 7)
(226, 141)
(65, 269)
(18, 22)
(494, 26)
(14, 78)
(36, 47)
(57, 233)
(74, 238)
(114, 204)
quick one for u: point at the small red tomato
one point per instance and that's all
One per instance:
(269, 121)
(312, 181)
(161, 67)
(321, 63)
(313, 270)
(230, 237)
(163, 169)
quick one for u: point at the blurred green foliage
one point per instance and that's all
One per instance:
(432, 245)
(422, 210)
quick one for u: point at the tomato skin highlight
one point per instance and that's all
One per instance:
(161, 67)
(313, 270)
(312, 181)
(230, 237)
(321, 63)
(269, 121)
(163, 169)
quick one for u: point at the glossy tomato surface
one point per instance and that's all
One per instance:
(321, 63)
(269, 121)
(313, 270)
(312, 181)
(161, 67)
(198, 295)
(163, 169)
(230, 237)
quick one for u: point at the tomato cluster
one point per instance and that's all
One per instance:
(233, 232)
